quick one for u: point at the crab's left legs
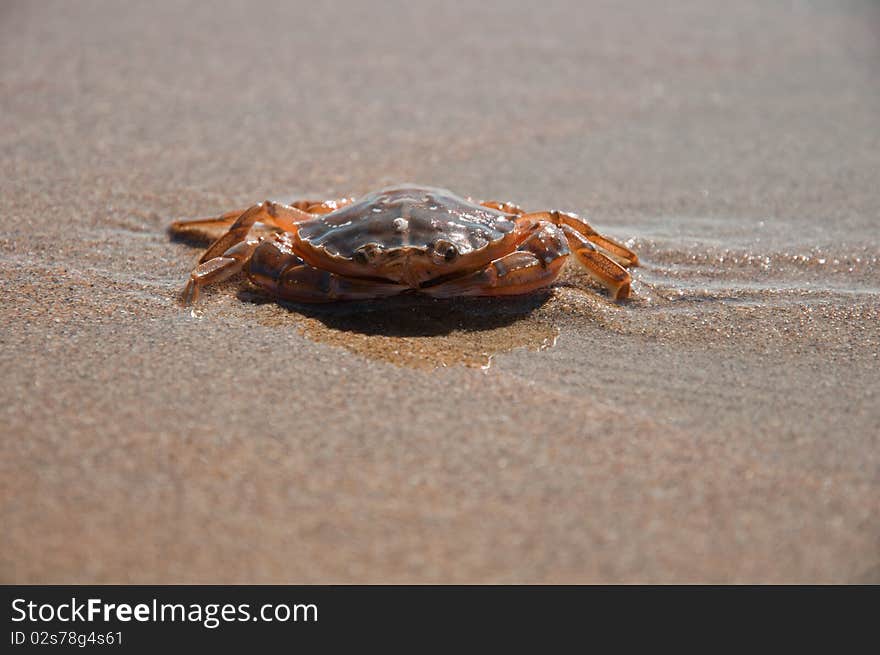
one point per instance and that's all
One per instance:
(616, 251)
(506, 207)
(604, 258)
(535, 264)
(602, 268)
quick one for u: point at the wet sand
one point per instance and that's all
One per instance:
(723, 425)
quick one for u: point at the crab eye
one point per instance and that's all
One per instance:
(366, 253)
(446, 250)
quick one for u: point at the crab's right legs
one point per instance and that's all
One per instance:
(227, 219)
(271, 213)
(227, 255)
(287, 276)
(217, 269)
(321, 206)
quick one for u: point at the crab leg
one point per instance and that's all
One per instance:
(321, 206)
(600, 266)
(225, 220)
(295, 209)
(271, 213)
(287, 276)
(275, 214)
(535, 264)
(224, 258)
(217, 269)
(506, 207)
(616, 251)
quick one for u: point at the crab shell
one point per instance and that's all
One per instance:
(409, 235)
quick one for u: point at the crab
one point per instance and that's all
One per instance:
(403, 239)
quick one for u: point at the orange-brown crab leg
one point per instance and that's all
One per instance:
(227, 219)
(198, 224)
(535, 264)
(600, 266)
(287, 276)
(506, 207)
(616, 251)
(321, 206)
(227, 255)
(271, 213)
(603, 257)
(217, 269)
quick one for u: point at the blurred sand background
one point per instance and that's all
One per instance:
(722, 426)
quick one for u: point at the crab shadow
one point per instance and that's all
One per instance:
(414, 315)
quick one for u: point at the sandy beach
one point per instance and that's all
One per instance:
(722, 425)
